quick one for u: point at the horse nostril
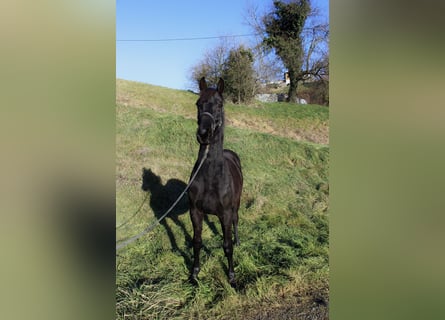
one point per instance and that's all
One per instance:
(202, 131)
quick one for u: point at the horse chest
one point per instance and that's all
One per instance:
(212, 199)
(210, 203)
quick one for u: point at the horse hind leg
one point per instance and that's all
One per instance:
(235, 227)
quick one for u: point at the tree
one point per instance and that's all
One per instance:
(283, 29)
(316, 58)
(212, 65)
(239, 75)
(233, 64)
(300, 41)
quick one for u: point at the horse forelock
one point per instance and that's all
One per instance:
(207, 95)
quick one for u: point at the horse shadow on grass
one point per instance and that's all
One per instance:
(162, 197)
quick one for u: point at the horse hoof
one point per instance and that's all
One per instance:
(193, 280)
(194, 276)
(232, 280)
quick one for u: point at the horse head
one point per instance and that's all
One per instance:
(210, 111)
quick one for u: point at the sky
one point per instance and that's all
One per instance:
(168, 63)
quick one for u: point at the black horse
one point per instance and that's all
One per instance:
(218, 185)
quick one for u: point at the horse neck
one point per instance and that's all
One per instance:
(215, 158)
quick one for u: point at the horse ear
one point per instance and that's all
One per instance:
(220, 87)
(202, 84)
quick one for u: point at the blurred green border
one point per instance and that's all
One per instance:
(57, 163)
(387, 156)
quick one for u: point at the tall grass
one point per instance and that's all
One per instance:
(282, 262)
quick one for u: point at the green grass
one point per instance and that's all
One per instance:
(282, 262)
(298, 122)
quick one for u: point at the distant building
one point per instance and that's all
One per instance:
(286, 78)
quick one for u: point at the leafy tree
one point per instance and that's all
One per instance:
(212, 65)
(239, 75)
(283, 28)
(233, 64)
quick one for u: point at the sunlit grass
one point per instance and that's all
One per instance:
(299, 122)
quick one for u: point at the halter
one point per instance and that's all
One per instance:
(214, 123)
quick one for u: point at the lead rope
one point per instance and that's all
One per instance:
(124, 243)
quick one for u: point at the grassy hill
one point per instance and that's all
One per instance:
(282, 263)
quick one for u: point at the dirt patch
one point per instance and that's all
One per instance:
(310, 307)
(314, 134)
(314, 311)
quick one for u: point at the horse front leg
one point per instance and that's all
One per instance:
(196, 217)
(226, 224)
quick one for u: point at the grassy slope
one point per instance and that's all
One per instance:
(282, 262)
(299, 122)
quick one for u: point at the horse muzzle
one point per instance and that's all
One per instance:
(206, 128)
(204, 135)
